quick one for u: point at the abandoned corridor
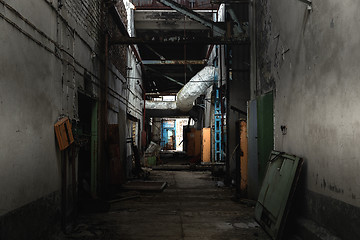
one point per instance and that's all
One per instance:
(87, 87)
(193, 206)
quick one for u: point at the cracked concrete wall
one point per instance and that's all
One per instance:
(310, 59)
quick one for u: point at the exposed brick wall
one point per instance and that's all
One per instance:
(118, 53)
(87, 14)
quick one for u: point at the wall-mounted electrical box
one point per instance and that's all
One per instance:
(63, 133)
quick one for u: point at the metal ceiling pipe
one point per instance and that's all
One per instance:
(189, 93)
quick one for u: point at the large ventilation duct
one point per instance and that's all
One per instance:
(189, 93)
(194, 88)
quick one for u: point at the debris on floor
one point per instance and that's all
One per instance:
(191, 207)
(246, 225)
(123, 199)
(145, 186)
(220, 184)
(152, 154)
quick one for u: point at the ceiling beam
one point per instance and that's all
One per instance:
(174, 62)
(147, 20)
(178, 40)
(165, 76)
(218, 31)
(194, 113)
(155, 52)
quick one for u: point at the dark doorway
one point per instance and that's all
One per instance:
(87, 134)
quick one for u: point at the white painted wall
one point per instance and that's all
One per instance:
(317, 90)
(40, 73)
(30, 102)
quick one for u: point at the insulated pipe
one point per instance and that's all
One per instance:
(194, 88)
(189, 93)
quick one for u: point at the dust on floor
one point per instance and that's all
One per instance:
(192, 207)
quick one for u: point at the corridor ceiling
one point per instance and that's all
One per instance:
(169, 65)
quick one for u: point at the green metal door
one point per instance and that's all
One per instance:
(265, 123)
(276, 192)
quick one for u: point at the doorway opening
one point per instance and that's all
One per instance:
(87, 157)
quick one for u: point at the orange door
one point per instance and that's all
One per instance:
(243, 156)
(206, 145)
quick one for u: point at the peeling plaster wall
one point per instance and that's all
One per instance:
(311, 60)
(44, 59)
(31, 90)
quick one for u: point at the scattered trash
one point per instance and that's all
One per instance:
(248, 202)
(151, 154)
(84, 231)
(123, 199)
(224, 226)
(145, 186)
(153, 149)
(246, 225)
(220, 184)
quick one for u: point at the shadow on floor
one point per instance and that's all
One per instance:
(191, 207)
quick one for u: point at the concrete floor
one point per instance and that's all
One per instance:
(192, 207)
